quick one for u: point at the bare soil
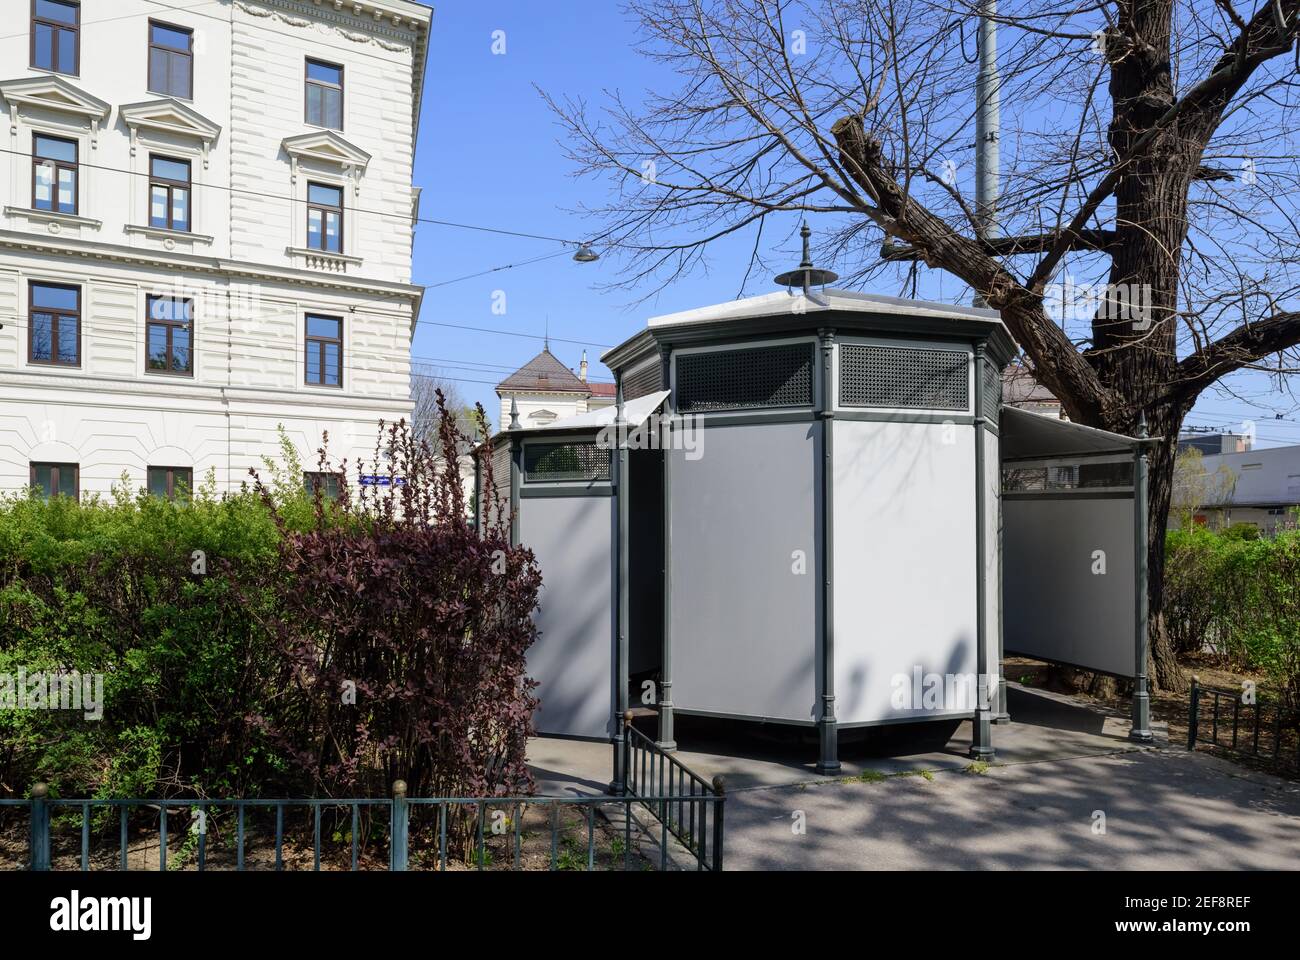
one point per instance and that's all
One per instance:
(1172, 708)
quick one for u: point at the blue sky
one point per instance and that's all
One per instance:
(488, 155)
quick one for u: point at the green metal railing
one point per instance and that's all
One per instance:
(687, 806)
(1259, 728)
(438, 816)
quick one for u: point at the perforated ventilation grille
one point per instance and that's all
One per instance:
(643, 382)
(778, 376)
(907, 378)
(565, 461)
(992, 390)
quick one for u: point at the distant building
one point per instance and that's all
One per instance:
(1021, 390)
(1267, 490)
(545, 390)
(1213, 444)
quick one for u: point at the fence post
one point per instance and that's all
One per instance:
(718, 788)
(625, 776)
(1193, 712)
(40, 841)
(397, 839)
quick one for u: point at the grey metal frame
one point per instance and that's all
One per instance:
(981, 747)
(828, 761)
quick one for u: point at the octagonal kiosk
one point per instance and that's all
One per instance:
(794, 515)
(826, 486)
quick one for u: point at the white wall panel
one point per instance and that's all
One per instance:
(904, 560)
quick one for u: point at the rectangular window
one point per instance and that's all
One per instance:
(324, 351)
(171, 60)
(324, 95)
(56, 479)
(169, 336)
(54, 174)
(54, 327)
(170, 482)
(56, 35)
(169, 193)
(327, 483)
(324, 217)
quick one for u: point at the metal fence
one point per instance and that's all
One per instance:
(1260, 729)
(440, 825)
(687, 806)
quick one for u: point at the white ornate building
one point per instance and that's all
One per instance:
(206, 227)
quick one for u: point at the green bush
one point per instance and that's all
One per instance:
(108, 587)
(1237, 596)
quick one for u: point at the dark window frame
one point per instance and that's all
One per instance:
(308, 83)
(324, 211)
(171, 479)
(56, 313)
(75, 30)
(312, 479)
(188, 54)
(319, 344)
(55, 477)
(171, 186)
(171, 326)
(58, 165)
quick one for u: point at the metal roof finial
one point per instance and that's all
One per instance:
(514, 414)
(806, 275)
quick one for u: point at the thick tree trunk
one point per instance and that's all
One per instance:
(1162, 664)
(1134, 335)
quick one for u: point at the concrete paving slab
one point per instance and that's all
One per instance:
(749, 756)
(1160, 809)
(1067, 791)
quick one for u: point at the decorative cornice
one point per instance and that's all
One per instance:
(169, 116)
(169, 237)
(207, 390)
(326, 146)
(382, 24)
(324, 260)
(196, 263)
(53, 217)
(53, 93)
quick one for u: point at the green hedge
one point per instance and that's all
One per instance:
(106, 587)
(1239, 596)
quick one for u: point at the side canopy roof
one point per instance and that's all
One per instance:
(1032, 436)
(635, 413)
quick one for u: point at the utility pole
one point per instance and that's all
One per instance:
(987, 123)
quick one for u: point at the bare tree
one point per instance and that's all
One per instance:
(1195, 488)
(425, 383)
(1148, 151)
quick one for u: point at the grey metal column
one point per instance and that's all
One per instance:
(1141, 730)
(828, 760)
(981, 745)
(619, 784)
(1002, 710)
(516, 472)
(666, 740)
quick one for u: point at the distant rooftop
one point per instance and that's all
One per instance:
(544, 374)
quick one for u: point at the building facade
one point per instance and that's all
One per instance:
(544, 390)
(206, 236)
(1264, 493)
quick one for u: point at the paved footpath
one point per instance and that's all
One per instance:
(1068, 792)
